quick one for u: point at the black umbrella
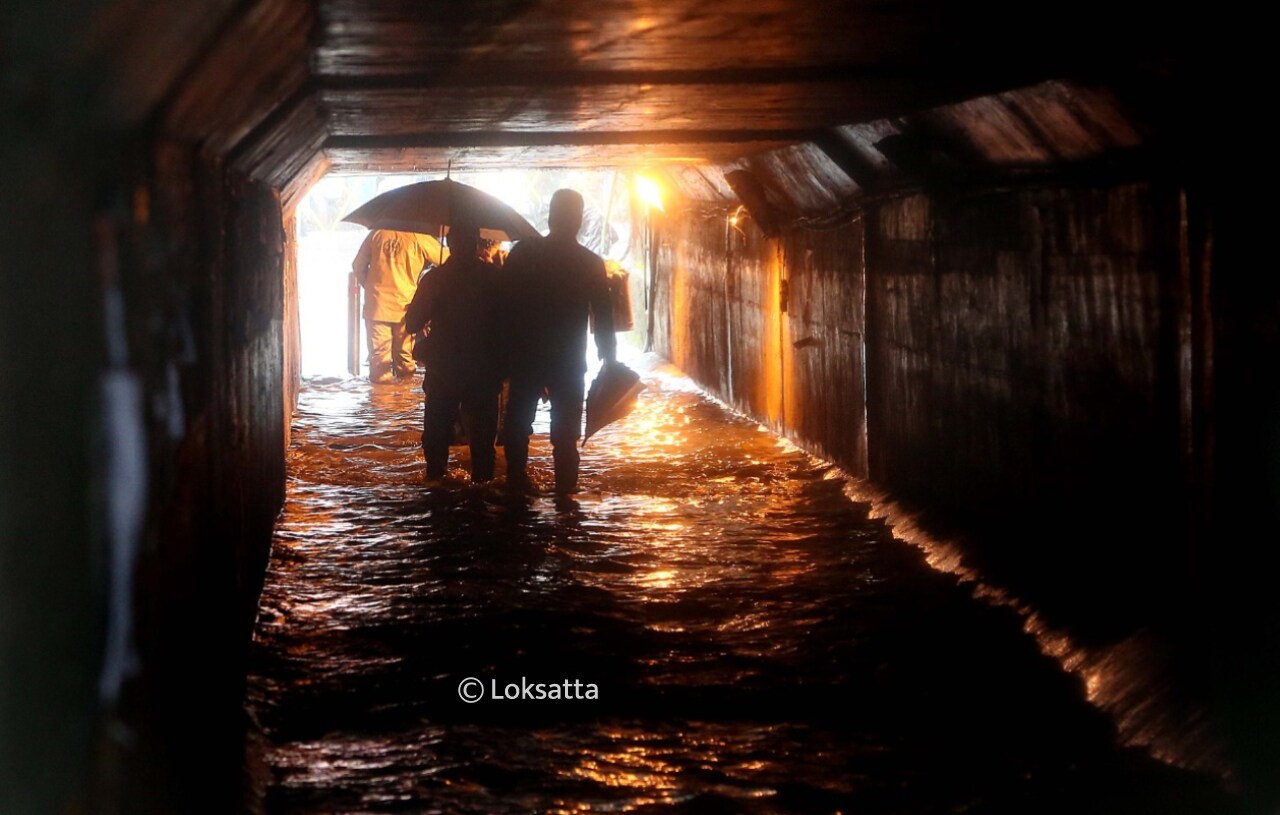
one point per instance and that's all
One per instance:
(430, 207)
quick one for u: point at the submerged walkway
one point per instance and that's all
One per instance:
(756, 643)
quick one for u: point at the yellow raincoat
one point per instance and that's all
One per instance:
(387, 266)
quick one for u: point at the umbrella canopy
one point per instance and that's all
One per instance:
(612, 396)
(430, 207)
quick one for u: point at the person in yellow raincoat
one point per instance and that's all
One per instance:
(387, 266)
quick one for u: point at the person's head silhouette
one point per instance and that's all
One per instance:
(565, 218)
(464, 237)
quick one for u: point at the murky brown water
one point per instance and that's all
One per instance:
(757, 643)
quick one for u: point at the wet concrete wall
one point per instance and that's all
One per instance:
(1061, 379)
(1026, 356)
(1070, 382)
(1231, 236)
(52, 571)
(772, 326)
(214, 289)
(141, 481)
(143, 465)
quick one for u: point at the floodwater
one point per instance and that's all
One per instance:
(755, 642)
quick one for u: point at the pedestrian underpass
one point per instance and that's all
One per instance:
(993, 273)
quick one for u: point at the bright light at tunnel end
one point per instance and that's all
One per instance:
(649, 192)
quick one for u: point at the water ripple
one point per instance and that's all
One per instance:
(758, 643)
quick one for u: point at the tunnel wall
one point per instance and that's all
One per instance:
(1028, 358)
(1021, 329)
(1231, 235)
(52, 565)
(1028, 353)
(151, 347)
(204, 273)
(789, 354)
(142, 477)
(1071, 382)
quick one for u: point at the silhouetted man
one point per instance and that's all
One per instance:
(555, 284)
(387, 266)
(459, 302)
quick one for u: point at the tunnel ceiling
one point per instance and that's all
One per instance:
(286, 89)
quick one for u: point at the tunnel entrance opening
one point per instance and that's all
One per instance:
(326, 245)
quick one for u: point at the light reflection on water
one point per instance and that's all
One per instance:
(760, 643)
(1125, 678)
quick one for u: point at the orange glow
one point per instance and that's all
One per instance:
(790, 397)
(649, 191)
(660, 579)
(680, 307)
(771, 383)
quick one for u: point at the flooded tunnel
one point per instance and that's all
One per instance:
(949, 490)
